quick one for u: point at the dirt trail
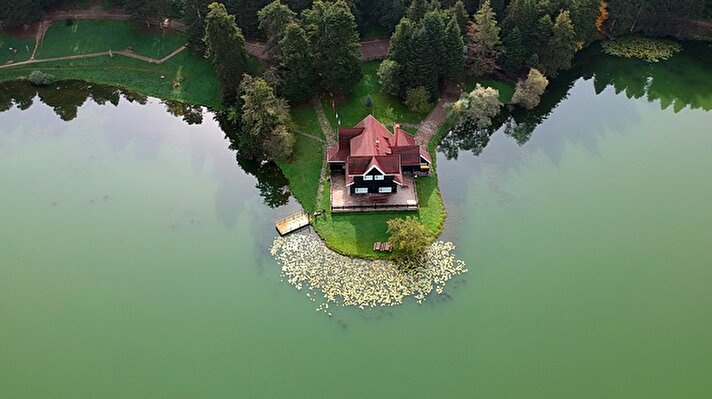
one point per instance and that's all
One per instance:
(124, 53)
(437, 117)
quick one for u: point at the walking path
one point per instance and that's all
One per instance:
(437, 117)
(124, 53)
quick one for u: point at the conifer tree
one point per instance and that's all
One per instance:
(434, 25)
(225, 49)
(297, 67)
(273, 21)
(484, 45)
(454, 56)
(460, 14)
(417, 10)
(423, 65)
(561, 47)
(194, 18)
(514, 53)
(334, 39)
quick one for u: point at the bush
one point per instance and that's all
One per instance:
(418, 99)
(39, 78)
(388, 74)
(529, 91)
(648, 49)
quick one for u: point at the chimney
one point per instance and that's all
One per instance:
(396, 131)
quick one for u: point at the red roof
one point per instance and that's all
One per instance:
(370, 144)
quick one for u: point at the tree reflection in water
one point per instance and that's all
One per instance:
(65, 99)
(681, 82)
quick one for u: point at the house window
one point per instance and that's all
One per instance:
(361, 190)
(368, 177)
(379, 177)
(385, 190)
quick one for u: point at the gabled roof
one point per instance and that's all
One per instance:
(370, 145)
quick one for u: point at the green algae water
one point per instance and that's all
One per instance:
(134, 256)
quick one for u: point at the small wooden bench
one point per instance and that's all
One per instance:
(382, 247)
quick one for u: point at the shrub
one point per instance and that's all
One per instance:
(648, 49)
(418, 99)
(39, 78)
(529, 91)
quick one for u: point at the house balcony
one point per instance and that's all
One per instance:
(404, 199)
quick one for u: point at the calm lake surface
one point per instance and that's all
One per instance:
(134, 257)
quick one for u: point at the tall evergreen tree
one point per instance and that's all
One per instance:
(194, 13)
(514, 53)
(226, 49)
(434, 25)
(417, 10)
(561, 47)
(273, 21)
(297, 67)
(460, 14)
(424, 67)
(245, 12)
(454, 56)
(334, 39)
(484, 45)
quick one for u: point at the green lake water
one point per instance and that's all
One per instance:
(134, 257)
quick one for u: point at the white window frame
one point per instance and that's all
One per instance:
(368, 177)
(379, 177)
(385, 190)
(361, 190)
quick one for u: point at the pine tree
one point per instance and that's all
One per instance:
(454, 56)
(194, 18)
(245, 12)
(225, 49)
(484, 45)
(417, 10)
(584, 14)
(561, 46)
(434, 25)
(424, 66)
(273, 21)
(514, 54)
(297, 67)
(334, 39)
(460, 14)
(524, 15)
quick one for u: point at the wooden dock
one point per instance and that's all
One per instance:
(292, 223)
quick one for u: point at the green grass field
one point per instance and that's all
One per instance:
(304, 171)
(506, 89)
(23, 45)
(387, 109)
(92, 36)
(198, 84)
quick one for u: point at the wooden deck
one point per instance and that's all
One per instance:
(292, 223)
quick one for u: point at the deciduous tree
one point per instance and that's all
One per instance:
(409, 237)
(529, 91)
(480, 106)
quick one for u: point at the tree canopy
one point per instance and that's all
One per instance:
(226, 49)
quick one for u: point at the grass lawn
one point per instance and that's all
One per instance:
(92, 36)
(387, 109)
(24, 48)
(304, 171)
(506, 89)
(198, 83)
